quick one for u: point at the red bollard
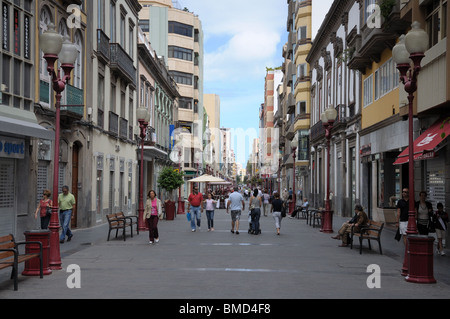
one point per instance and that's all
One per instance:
(32, 266)
(420, 251)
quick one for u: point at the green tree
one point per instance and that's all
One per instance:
(169, 179)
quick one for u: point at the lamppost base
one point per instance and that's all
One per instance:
(420, 251)
(327, 222)
(142, 225)
(180, 207)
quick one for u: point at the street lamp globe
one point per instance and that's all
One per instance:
(142, 114)
(399, 52)
(331, 114)
(294, 142)
(51, 42)
(416, 41)
(68, 53)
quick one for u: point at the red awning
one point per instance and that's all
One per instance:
(424, 146)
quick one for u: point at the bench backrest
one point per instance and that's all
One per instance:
(7, 242)
(112, 220)
(120, 215)
(376, 228)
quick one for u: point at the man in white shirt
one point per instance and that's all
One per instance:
(234, 202)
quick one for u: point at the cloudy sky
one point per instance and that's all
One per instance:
(241, 39)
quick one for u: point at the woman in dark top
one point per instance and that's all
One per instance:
(277, 206)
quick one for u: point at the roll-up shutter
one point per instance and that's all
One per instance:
(7, 197)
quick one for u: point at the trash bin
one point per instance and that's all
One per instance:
(170, 210)
(32, 266)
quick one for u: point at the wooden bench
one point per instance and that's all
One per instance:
(372, 231)
(116, 223)
(10, 256)
(130, 220)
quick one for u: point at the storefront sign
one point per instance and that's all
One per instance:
(366, 150)
(12, 147)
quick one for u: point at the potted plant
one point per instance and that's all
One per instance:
(169, 180)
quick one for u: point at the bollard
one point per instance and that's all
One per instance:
(32, 265)
(420, 251)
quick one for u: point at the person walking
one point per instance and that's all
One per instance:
(195, 200)
(66, 203)
(153, 211)
(266, 203)
(441, 219)
(402, 213)
(255, 204)
(44, 209)
(234, 202)
(424, 212)
(210, 203)
(277, 207)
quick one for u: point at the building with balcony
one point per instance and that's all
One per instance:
(177, 37)
(431, 105)
(382, 127)
(269, 148)
(110, 119)
(158, 93)
(75, 162)
(335, 84)
(302, 11)
(24, 136)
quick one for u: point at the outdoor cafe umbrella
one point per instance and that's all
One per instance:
(207, 179)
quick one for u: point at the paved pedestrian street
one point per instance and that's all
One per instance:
(301, 263)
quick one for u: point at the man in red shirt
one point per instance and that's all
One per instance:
(195, 206)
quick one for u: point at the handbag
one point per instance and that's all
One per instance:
(397, 235)
(431, 226)
(283, 211)
(188, 216)
(48, 211)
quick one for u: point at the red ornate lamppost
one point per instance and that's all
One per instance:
(294, 144)
(328, 118)
(56, 48)
(143, 117)
(180, 200)
(418, 261)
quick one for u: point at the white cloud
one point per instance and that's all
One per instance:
(250, 34)
(246, 53)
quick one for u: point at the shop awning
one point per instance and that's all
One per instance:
(425, 145)
(25, 128)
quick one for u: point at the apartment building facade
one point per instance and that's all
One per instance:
(302, 11)
(75, 162)
(21, 130)
(269, 148)
(334, 84)
(177, 37)
(383, 129)
(432, 171)
(158, 93)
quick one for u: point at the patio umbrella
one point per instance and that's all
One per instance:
(207, 179)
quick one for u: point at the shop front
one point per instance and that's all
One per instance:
(17, 128)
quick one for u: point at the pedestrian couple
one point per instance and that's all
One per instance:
(195, 207)
(66, 204)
